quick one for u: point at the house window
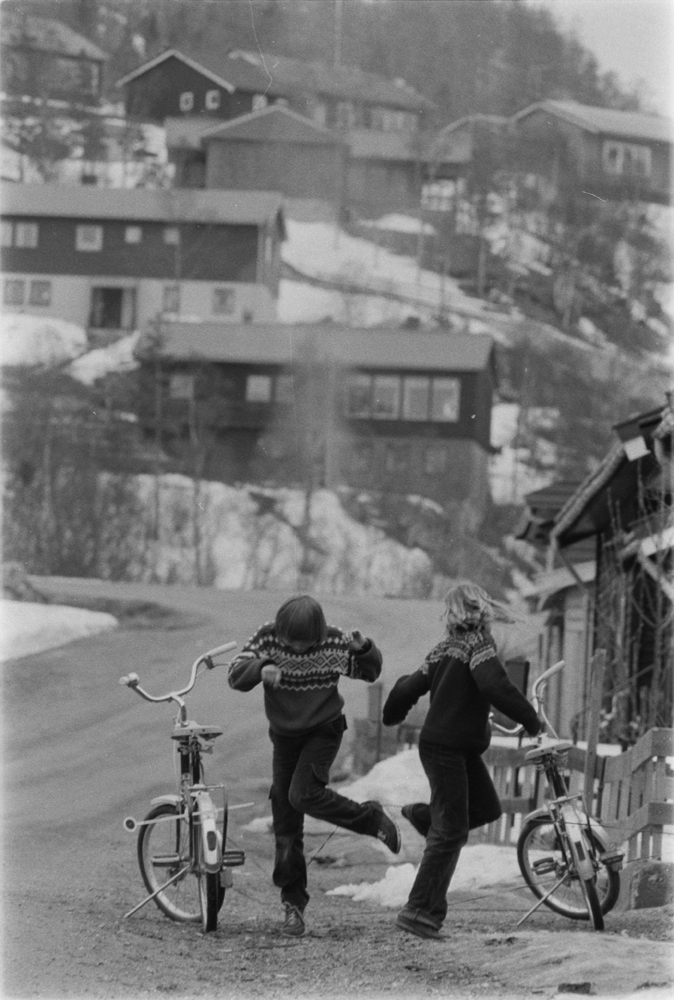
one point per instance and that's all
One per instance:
(89, 238)
(26, 235)
(40, 293)
(113, 308)
(259, 101)
(285, 389)
(395, 457)
(436, 459)
(14, 292)
(358, 393)
(171, 235)
(7, 233)
(318, 112)
(223, 301)
(258, 389)
(133, 234)
(446, 398)
(171, 299)
(346, 114)
(416, 397)
(625, 159)
(386, 397)
(181, 386)
(186, 100)
(212, 100)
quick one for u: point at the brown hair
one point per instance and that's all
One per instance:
(301, 619)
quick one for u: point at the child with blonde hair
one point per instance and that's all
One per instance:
(465, 678)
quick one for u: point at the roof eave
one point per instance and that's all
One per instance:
(176, 54)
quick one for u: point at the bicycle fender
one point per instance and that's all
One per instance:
(209, 832)
(540, 813)
(171, 800)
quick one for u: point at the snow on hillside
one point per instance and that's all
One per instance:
(27, 627)
(40, 340)
(116, 357)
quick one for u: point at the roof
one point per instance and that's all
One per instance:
(498, 120)
(279, 344)
(186, 131)
(176, 204)
(280, 76)
(606, 121)
(46, 34)
(542, 506)
(617, 480)
(275, 123)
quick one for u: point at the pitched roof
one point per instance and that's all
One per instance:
(280, 76)
(418, 351)
(606, 121)
(275, 123)
(46, 34)
(346, 82)
(141, 204)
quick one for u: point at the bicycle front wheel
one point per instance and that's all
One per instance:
(164, 855)
(210, 893)
(545, 867)
(589, 886)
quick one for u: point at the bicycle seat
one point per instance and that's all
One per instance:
(194, 729)
(554, 746)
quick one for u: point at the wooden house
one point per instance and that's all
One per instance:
(606, 153)
(608, 583)
(403, 411)
(112, 260)
(44, 58)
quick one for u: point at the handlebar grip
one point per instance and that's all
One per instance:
(225, 648)
(130, 681)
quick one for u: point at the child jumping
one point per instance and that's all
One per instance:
(299, 660)
(464, 677)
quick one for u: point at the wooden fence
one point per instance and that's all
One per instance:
(632, 793)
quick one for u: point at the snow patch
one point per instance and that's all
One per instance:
(29, 628)
(40, 340)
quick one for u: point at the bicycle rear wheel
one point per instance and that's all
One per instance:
(543, 864)
(163, 854)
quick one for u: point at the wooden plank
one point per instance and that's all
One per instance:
(518, 804)
(597, 668)
(652, 814)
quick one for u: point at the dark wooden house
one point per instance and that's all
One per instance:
(113, 260)
(44, 58)
(610, 154)
(408, 412)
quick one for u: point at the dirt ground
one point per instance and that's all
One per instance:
(80, 755)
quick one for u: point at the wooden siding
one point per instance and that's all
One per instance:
(374, 186)
(299, 171)
(209, 253)
(155, 95)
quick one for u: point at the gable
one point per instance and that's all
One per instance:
(274, 124)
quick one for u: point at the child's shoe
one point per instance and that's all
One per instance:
(415, 923)
(387, 831)
(419, 815)
(293, 925)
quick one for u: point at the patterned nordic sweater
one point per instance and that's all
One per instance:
(307, 694)
(464, 677)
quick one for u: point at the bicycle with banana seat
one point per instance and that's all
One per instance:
(563, 852)
(182, 842)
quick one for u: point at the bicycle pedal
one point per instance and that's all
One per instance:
(231, 859)
(544, 865)
(226, 879)
(612, 859)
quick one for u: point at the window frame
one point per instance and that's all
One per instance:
(212, 100)
(26, 235)
(168, 291)
(395, 382)
(133, 235)
(186, 101)
(408, 381)
(15, 283)
(34, 299)
(435, 387)
(258, 378)
(365, 381)
(228, 304)
(171, 236)
(81, 245)
(6, 233)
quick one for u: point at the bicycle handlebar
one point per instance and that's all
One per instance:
(539, 683)
(132, 681)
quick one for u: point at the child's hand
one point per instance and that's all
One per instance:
(271, 674)
(357, 642)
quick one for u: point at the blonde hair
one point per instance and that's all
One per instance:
(469, 606)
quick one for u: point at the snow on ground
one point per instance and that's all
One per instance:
(40, 340)
(116, 357)
(302, 303)
(28, 628)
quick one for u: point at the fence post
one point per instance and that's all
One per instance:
(597, 668)
(375, 700)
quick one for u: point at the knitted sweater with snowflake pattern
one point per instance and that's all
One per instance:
(307, 694)
(464, 677)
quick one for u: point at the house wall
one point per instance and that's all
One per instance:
(211, 252)
(35, 73)
(382, 185)
(71, 298)
(155, 95)
(298, 170)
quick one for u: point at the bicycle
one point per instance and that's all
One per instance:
(563, 852)
(182, 843)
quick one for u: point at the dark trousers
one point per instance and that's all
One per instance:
(301, 771)
(462, 797)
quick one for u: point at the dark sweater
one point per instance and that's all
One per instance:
(465, 677)
(307, 694)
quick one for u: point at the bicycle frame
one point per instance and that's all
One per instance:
(205, 850)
